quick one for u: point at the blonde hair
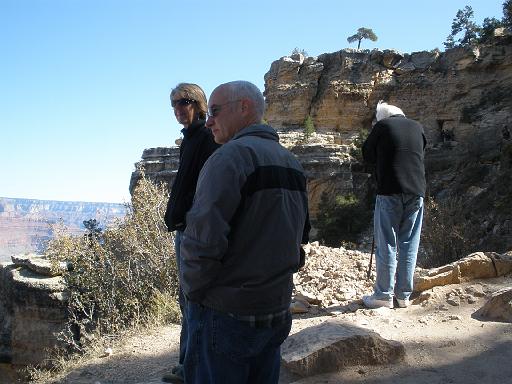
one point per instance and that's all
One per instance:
(385, 110)
(193, 92)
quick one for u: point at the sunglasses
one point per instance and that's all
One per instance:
(181, 102)
(214, 110)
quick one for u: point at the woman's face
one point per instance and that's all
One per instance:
(185, 110)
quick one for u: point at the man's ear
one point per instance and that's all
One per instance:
(245, 105)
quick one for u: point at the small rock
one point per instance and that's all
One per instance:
(475, 290)
(455, 301)
(298, 307)
(107, 352)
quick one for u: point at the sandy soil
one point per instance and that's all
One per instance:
(444, 343)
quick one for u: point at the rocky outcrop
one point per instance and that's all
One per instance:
(499, 306)
(459, 95)
(479, 265)
(33, 311)
(158, 164)
(334, 345)
(39, 264)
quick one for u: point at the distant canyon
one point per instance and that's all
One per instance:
(26, 225)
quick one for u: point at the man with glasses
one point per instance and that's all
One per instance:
(189, 104)
(242, 245)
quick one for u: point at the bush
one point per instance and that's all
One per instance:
(341, 220)
(309, 128)
(447, 235)
(297, 51)
(124, 276)
(356, 150)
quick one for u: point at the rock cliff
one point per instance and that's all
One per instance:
(461, 97)
(458, 95)
(33, 311)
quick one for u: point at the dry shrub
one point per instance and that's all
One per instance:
(447, 234)
(126, 276)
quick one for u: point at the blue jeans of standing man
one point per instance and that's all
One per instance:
(181, 300)
(397, 228)
(225, 350)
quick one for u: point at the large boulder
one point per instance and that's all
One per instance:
(33, 310)
(499, 306)
(334, 345)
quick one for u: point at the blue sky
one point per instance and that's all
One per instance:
(85, 83)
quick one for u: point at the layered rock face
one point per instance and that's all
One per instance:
(33, 312)
(159, 164)
(26, 225)
(458, 95)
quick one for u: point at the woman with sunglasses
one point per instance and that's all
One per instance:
(189, 104)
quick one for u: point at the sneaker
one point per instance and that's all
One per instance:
(403, 303)
(371, 302)
(175, 376)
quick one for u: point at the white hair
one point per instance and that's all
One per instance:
(385, 110)
(243, 89)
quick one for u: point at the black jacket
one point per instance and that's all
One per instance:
(196, 147)
(396, 146)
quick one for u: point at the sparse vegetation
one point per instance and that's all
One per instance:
(463, 23)
(93, 229)
(507, 14)
(122, 277)
(309, 128)
(300, 51)
(470, 33)
(362, 33)
(356, 150)
(341, 221)
(447, 235)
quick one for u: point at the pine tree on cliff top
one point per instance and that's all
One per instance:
(362, 33)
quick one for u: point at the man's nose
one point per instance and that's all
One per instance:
(209, 122)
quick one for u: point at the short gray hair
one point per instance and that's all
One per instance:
(385, 110)
(241, 89)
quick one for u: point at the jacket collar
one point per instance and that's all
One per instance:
(260, 130)
(193, 128)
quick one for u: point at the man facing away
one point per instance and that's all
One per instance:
(396, 147)
(241, 245)
(189, 104)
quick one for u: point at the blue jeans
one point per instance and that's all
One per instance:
(181, 299)
(397, 228)
(224, 350)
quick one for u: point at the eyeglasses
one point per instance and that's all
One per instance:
(214, 110)
(181, 102)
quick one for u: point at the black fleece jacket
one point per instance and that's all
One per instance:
(195, 149)
(396, 147)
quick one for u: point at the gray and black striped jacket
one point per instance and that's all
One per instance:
(246, 225)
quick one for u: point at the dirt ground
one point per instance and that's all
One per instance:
(444, 343)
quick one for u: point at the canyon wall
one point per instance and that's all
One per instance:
(26, 225)
(461, 96)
